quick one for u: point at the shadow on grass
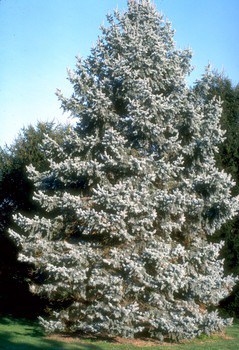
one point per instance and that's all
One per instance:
(29, 336)
(8, 343)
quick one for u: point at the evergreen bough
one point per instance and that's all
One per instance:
(133, 196)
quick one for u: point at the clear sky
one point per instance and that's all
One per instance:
(40, 39)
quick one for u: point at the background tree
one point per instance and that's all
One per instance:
(16, 192)
(132, 197)
(228, 159)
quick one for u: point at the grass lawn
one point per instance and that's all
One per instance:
(25, 335)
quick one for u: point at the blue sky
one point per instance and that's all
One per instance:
(40, 39)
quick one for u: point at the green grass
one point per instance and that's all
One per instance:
(25, 335)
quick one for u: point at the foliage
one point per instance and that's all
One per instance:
(228, 159)
(16, 195)
(132, 197)
(228, 155)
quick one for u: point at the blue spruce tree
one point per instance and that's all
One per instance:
(133, 196)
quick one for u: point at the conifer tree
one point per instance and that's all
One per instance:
(16, 191)
(133, 196)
